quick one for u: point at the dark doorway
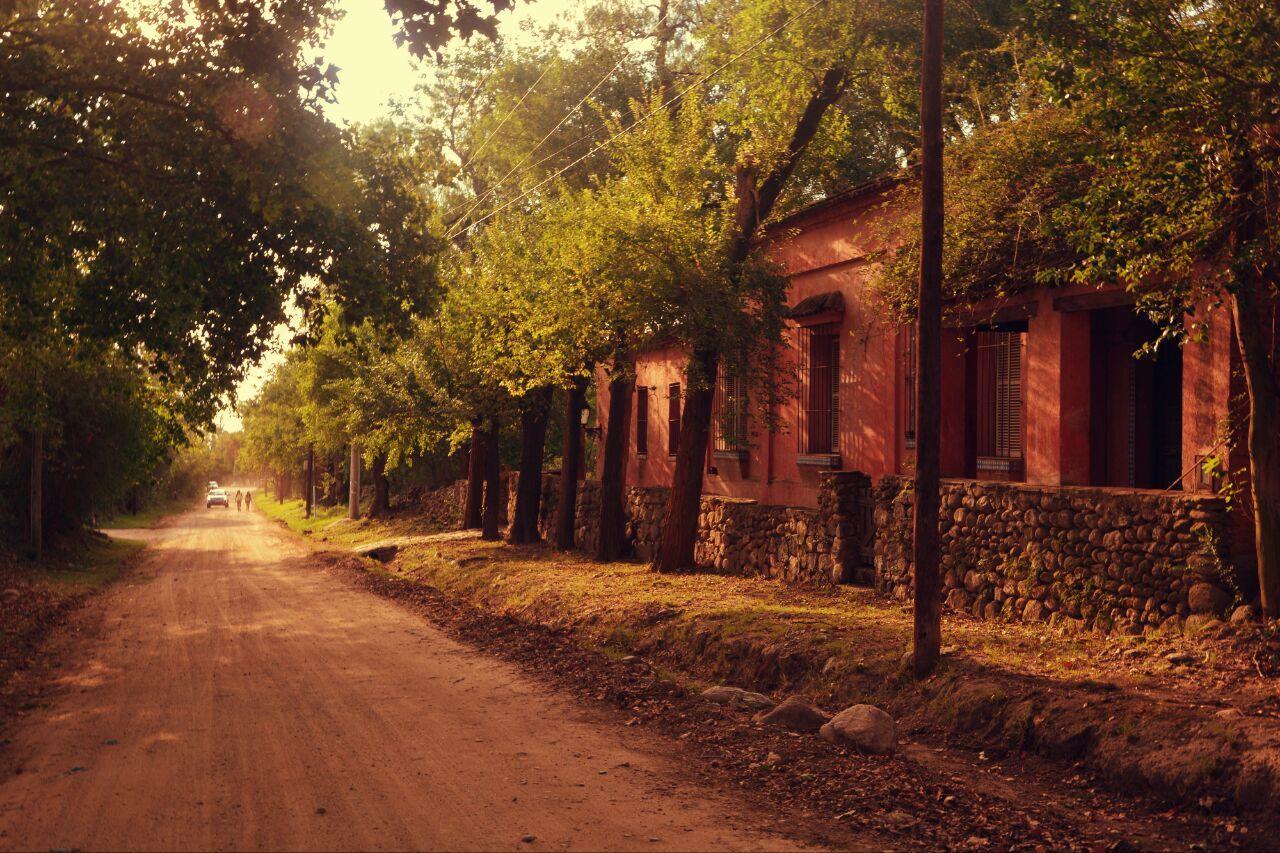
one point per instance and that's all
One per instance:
(1135, 403)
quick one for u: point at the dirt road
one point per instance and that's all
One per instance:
(237, 698)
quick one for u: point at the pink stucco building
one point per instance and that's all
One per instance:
(1041, 387)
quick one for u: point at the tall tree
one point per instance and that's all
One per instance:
(164, 187)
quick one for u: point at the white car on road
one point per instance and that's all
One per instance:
(216, 497)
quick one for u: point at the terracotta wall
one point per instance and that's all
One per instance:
(834, 248)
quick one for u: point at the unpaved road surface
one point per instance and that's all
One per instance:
(237, 698)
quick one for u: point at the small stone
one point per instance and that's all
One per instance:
(321, 810)
(736, 697)
(529, 839)
(1244, 613)
(1202, 623)
(865, 727)
(794, 715)
(1180, 657)
(1032, 611)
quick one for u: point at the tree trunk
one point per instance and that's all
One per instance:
(309, 485)
(1261, 381)
(755, 202)
(613, 472)
(490, 530)
(381, 488)
(680, 531)
(471, 510)
(533, 440)
(571, 467)
(925, 546)
(353, 483)
(36, 509)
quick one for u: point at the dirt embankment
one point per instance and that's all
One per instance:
(1186, 722)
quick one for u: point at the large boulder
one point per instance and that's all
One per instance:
(383, 552)
(864, 727)
(1207, 598)
(795, 715)
(736, 697)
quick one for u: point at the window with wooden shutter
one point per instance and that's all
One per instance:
(642, 421)
(819, 390)
(673, 418)
(730, 414)
(999, 403)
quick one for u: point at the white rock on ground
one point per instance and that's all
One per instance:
(865, 727)
(736, 697)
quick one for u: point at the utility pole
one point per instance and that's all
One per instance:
(353, 479)
(37, 493)
(925, 545)
(309, 487)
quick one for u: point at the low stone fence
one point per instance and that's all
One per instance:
(443, 506)
(832, 543)
(1108, 559)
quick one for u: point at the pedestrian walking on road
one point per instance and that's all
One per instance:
(248, 499)
(239, 499)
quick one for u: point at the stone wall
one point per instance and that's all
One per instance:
(442, 507)
(742, 537)
(1109, 559)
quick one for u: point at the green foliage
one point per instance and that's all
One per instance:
(165, 179)
(106, 429)
(1010, 187)
(275, 438)
(385, 270)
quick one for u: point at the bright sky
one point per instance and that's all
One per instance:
(372, 71)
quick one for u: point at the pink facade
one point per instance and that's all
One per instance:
(1040, 387)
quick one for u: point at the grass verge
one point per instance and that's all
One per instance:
(1130, 709)
(150, 516)
(293, 514)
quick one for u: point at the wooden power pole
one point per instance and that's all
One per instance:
(928, 593)
(353, 478)
(309, 488)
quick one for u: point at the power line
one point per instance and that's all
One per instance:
(572, 111)
(700, 81)
(527, 92)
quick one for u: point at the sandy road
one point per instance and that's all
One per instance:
(239, 699)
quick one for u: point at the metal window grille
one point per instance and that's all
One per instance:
(999, 394)
(642, 420)
(731, 413)
(673, 418)
(818, 384)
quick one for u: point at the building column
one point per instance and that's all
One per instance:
(1056, 396)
